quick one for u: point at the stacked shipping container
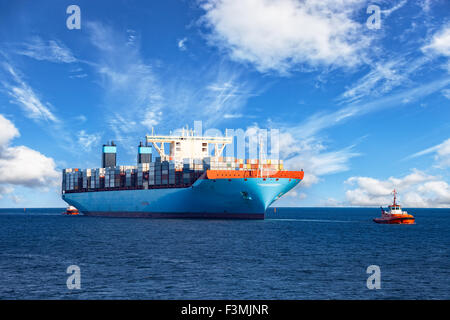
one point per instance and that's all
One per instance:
(158, 173)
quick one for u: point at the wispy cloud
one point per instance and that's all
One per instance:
(441, 154)
(87, 141)
(318, 162)
(37, 109)
(311, 154)
(425, 5)
(383, 77)
(388, 12)
(136, 91)
(51, 50)
(323, 120)
(446, 93)
(233, 115)
(25, 97)
(81, 118)
(131, 87)
(15, 198)
(5, 190)
(79, 76)
(302, 147)
(225, 96)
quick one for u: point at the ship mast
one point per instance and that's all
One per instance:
(261, 156)
(395, 196)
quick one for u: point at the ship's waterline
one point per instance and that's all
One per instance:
(206, 198)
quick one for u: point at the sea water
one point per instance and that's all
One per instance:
(295, 253)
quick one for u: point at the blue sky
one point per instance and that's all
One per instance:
(362, 110)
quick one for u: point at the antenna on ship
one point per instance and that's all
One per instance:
(395, 196)
(260, 155)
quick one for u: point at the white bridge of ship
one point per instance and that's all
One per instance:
(187, 145)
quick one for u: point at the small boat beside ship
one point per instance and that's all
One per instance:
(71, 211)
(395, 214)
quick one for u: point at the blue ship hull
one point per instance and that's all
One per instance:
(206, 198)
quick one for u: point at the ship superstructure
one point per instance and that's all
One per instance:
(189, 181)
(395, 214)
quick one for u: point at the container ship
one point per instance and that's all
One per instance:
(188, 182)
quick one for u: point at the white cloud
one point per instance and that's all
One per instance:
(317, 162)
(34, 107)
(216, 90)
(277, 35)
(332, 202)
(151, 119)
(315, 158)
(301, 147)
(441, 154)
(8, 131)
(20, 165)
(232, 115)
(437, 191)
(446, 93)
(425, 5)
(123, 129)
(25, 97)
(225, 96)
(87, 141)
(132, 89)
(388, 12)
(416, 189)
(382, 78)
(79, 76)
(5, 190)
(132, 37)
(81, 118)
(309, 154)
(52, 51)
(323, 120)
(381, 72)
(27, 167)
(15, 198)
(182, 44)
(134, 92)
(440, 43)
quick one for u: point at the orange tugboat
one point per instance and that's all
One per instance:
(395, 215)
(71, 211)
